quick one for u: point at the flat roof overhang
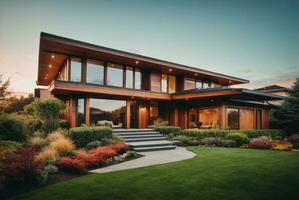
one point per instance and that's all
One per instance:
(61, 47)
(66, 88)
(237, 93)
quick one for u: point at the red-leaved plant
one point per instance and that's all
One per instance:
(261, 143)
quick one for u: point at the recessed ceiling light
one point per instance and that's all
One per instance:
(136, 61)
(50, 66)
(46, 78)
(52, 56)
(170, 70)
(195, 74)
(230, 81)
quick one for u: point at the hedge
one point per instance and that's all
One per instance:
(11, 128)
(84, 135)
(166, 130)
(239, 138)
(219, 133)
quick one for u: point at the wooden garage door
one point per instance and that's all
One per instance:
(246, 118)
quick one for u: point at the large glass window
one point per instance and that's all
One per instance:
(154, 111)
(258, 119)
(164, 84)
(137, 79)
(64, 72)
(198, 84)
(115, 75)
(189, 83)
(129, 77)
(76, 69)
(233, 118)
(95, 72)
(103, 111)
(171, 84)
(206, 85)
(80, 112)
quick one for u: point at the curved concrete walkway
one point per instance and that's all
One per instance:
(149, 159)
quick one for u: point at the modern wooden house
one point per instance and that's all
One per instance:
(132, 91)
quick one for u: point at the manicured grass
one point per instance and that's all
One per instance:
(215, 173)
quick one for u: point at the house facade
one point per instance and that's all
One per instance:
(133, 91)
(277, 90)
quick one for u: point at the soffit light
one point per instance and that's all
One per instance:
(52, 56)
(50, 66)
(170, 70)
(136, 61)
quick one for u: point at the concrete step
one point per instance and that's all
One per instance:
(150, 143)
(155, 148)
(145, 139)
(136, 133)
(132, 130)
(141, 136)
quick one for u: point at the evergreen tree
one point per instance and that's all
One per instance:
(287, 116)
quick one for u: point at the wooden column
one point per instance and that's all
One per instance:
(222, 116)
(87, 111)
(265, 118)
(73, 112)
(84, 70)
(128, 114)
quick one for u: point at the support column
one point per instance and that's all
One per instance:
(87, 111)
(128, 114)
(222, 116)
(73, 112)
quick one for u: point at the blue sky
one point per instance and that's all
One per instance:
(254, 39)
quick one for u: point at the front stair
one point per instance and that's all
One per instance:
(144, 139)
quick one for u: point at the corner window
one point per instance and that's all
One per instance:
(233, 118)
(76, 69)
(114, 75)
(95, 72)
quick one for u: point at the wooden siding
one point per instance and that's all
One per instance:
(155, 82)
(143, 114)
(265, 118)
(246, 118)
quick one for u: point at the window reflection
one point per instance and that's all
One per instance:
(233, 118)
(80, 112)
(137, 79)
(190, 83)
(129, 77)
(164, 83)
(198, 84)
(76, 69)
(115, 75)
(171, 84)
(95, 72)
(111, 111)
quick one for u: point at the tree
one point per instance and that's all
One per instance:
(17, 105)
(287, 116)
(4, 92)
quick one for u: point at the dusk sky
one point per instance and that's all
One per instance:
(255, 40)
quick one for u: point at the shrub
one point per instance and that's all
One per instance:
(64, 124)
(282, 147)
(21, 168)
(185, 140)
(160, 122)
(47, 154)
(72, 165)
(205, 133)
(93, 144)
(11, 128)
(239, 138)
(131, 154)
(274, 133)
(84, 135)
(119, 148)
(48, 111)
(218, 142)
(10, 146)
(56, 135)
(38, 142)
(294, 139)
(31, 124)
(262, 142)
(166, 130)
(62, 146)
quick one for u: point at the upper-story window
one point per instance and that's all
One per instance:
(115, 75)
(168, 83)
(164, 83)
(129, 77)
(189, 83)
(137, 79)
(95, 72)
(76, 69)
(198, 84)
(206, 85)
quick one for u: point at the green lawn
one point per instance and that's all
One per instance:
(215, 173)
